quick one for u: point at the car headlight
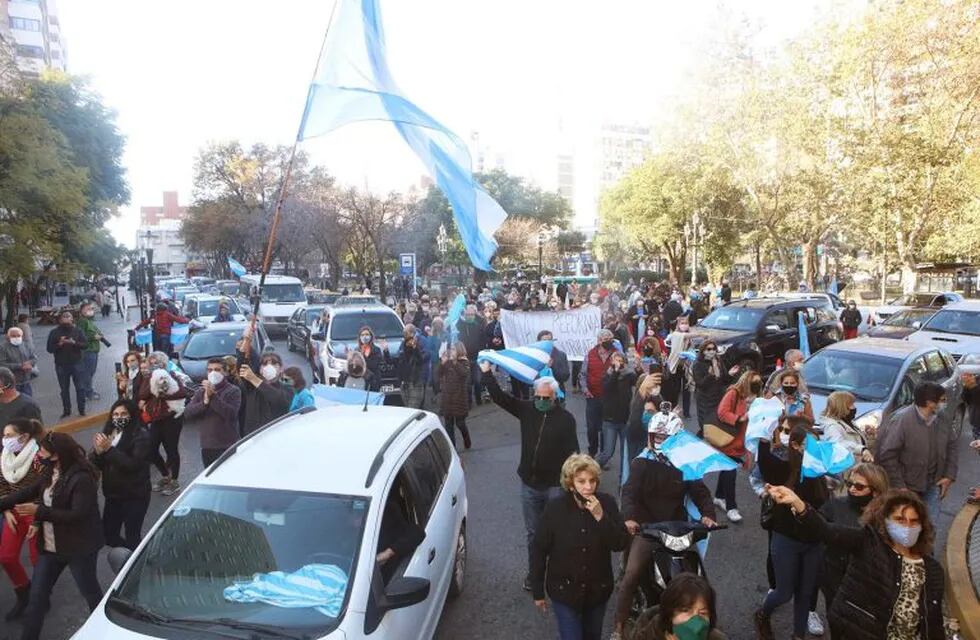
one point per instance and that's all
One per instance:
(871, 419)
(752, 346)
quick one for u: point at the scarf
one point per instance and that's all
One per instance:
(15, 466)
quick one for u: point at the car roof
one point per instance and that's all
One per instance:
(271, 279)
(887, 347)
(964, 305)
(343, 438)
(765, 303)
(361, 308)
(223, 326)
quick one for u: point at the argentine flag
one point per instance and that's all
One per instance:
(524, 363)
(178, 333)
(822, 458)
(354, 84)
(331, 396)
(763, 416)
(236, 268)
(693, 457)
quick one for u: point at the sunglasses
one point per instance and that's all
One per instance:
(543, 397)
(860, 486)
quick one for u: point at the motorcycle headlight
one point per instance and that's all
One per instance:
(871, 419)
(678, 543)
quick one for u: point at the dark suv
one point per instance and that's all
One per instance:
(759, 331)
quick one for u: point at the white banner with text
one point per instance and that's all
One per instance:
(575, 330)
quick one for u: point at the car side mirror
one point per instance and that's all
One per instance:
(916, 325)
(405, 592)
(772, 328)
(117, 558)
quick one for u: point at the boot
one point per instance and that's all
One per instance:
(763, 627)
(23, 594)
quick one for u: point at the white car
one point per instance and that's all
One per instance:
(909, 300)
(955, 328)
(279, 537)
(202, 309)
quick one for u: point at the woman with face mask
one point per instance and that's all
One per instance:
(128, 378)
(648, 390)
(20, 467)
(893, 588)
(711, 380)
(733, 420)
(836, 424)
(302, 396)
(795, 402)
(796, 550)
(453, 372)
(374, 355)
(850, 317)
(161, 398)
(121, 453)
(864, 483)
(264, 396)
(64, 503)
(686, 612)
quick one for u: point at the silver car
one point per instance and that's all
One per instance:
(882, 373)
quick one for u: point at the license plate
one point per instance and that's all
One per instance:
(387, 388)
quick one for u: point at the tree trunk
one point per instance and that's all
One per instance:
(910, 278)
(884, 277)
(810, 266)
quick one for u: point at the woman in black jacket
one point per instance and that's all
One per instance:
(648, 389)
(65, 505)
(617, 393)
(711, 381)
(412, 363)
(893, 587)
(373, 354)
(572, 552)
(795, 549)
(121, 452)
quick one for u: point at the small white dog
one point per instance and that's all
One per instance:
(163, 384)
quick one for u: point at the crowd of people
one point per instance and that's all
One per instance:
(863, 538)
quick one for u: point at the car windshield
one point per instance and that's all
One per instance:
(228, 288)
(213, 558)
(907, 318)
(206, 308)
(345, 326)
(913, 299)
(283, 293)
(210, 344)
(950, 321)
(869, 377)
(735, 318)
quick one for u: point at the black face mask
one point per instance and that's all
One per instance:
(756, 387)
(851, 414)
(607, 345)
(790, 391)
(859, 502)
(648, 352)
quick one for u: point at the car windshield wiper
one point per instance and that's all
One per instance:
(140, 612)
(275, 632)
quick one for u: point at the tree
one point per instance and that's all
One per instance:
(373, 222)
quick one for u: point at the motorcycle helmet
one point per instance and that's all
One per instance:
(664, 424)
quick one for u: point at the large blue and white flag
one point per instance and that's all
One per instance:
(354, 84)
(331, 396)
(804, 335)
(452, 318)
(178, 333)
(693, 457)
(763, 416)
(524, 363)
(822, 458)
(236, 268)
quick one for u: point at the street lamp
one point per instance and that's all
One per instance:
(542, 238)
(442, 241)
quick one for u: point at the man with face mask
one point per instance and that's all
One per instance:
(917, 446)
(792, 360)
(264, 396)
(472, 333)
(590, 376)
(214, 410)
(851, 319)
(547, 439)
(66, 342)
(18, 355)
(14, 404)
(90, 354)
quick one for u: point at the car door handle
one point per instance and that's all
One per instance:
(432, 555)
(455, 500)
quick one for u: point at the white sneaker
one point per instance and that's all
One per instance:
(814, 624)
(720, 504)
(735, 516)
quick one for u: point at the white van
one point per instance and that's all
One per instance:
(281, 297)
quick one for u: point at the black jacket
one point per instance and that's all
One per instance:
(125, 467)
(636, 431)
(473, 335)
(850, 318)
(547, 439)
(864, 604)
(811, 490)
(617, 392)
(66, 354)
(263, 404)
(373, 362)
(559, 365)
(575, 552)
(839, 511)
(74, 512)
(655, 492)
(411, 363)
(709, 390)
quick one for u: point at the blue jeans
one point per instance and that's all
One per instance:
(46, 573)
(593, 423)
(933, 504)
(611, 432)
(533, 502)
(66, 374)
(579, 624)
(90, 361)
(797, 568)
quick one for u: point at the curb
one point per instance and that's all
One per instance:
(962, 598)
(81, 423)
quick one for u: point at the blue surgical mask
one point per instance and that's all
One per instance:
(901, 534)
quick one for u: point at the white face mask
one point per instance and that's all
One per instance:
(784, 438)
(12, 444)
(16, 341)
(215, 377)
(269, 371)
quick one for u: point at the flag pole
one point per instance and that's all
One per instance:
(283, 191)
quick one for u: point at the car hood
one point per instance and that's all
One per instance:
(98, 627)
(818, 400)
(719, 336)
(886, 331)
(957, 343)
(197, 370)
(889, 310)
(339, 348)
(276, 309)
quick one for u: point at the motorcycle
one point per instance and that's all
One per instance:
(674, 552)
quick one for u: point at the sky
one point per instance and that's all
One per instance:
(534, 77)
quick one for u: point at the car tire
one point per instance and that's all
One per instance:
(457, 580)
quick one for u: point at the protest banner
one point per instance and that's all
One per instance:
(575, 330)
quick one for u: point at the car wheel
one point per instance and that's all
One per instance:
(459, 565)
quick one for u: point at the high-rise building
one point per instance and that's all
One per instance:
(621, 148)
(566, 177)
(32, 31)
(159, 230)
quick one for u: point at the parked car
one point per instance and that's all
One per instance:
(202, 308)
(281, 296)
(217, 340)
(233, 527)
(955, 327)
(299, 330)
(882, 373)
(910, 300)
(903, 323)
(756, 332)
(341, 337)
(227, 287)
(355, 300)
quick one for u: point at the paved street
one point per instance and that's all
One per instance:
(493, 604)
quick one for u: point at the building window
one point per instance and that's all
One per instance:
(25, 24)
(53, 21)
(30, 51)
(53, 37)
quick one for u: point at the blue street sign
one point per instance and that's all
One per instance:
(406, 264)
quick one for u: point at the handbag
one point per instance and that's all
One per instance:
(720, 435)
(767, 512)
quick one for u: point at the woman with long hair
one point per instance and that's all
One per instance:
(65, 506)
(733, 420)
(687, 611)
(711, 380)
(795, 401)
(836, 424)
(20, 466)
(454, 383)
(129, 378)
(302, 396)
(121, 451)
(648, 390)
